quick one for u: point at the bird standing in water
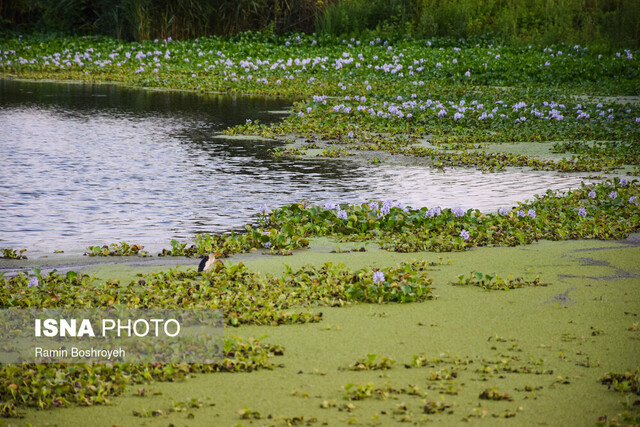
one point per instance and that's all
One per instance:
(207, 262)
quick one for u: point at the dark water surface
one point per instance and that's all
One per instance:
(95, 164)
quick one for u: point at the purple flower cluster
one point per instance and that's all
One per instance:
(386, 207)
(531, 213)
(458, 212)
(521, 112)
(378, 277)
(433, 212)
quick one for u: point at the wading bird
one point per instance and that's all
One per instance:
(207, 262)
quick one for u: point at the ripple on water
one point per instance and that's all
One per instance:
(93, 170)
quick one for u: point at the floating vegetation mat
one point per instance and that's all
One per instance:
(382, 96)
(48, 385)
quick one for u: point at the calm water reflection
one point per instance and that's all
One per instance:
(94, 164)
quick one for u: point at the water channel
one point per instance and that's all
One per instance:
(85, 164)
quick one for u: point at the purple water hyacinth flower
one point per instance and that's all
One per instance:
(464, 234)
(623, 182)
(378, 277)
(592, 194)
(632, 200)
(531, 213)
(33, 282)
(341, 214)
(373, 206)
(329, 206)
(613, 194)
(386, 207)
(433, 212)
(503, 211)
(264, 209)
(521, 213)
(267, 245)
(582, 212)
(458, 212)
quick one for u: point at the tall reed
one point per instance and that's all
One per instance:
(612, 22)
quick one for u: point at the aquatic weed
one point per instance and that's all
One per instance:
(372, 362)
(10, 253)
(117, 249)
(494, 282)
(51, 385)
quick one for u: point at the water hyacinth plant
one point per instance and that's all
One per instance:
(552, 216)
(10, 253)
(378, 95)
(244, 296)
(308, 68)
(117, 249)
(494, 282)
(45, 386)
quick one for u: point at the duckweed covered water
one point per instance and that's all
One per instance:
(547, 356)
